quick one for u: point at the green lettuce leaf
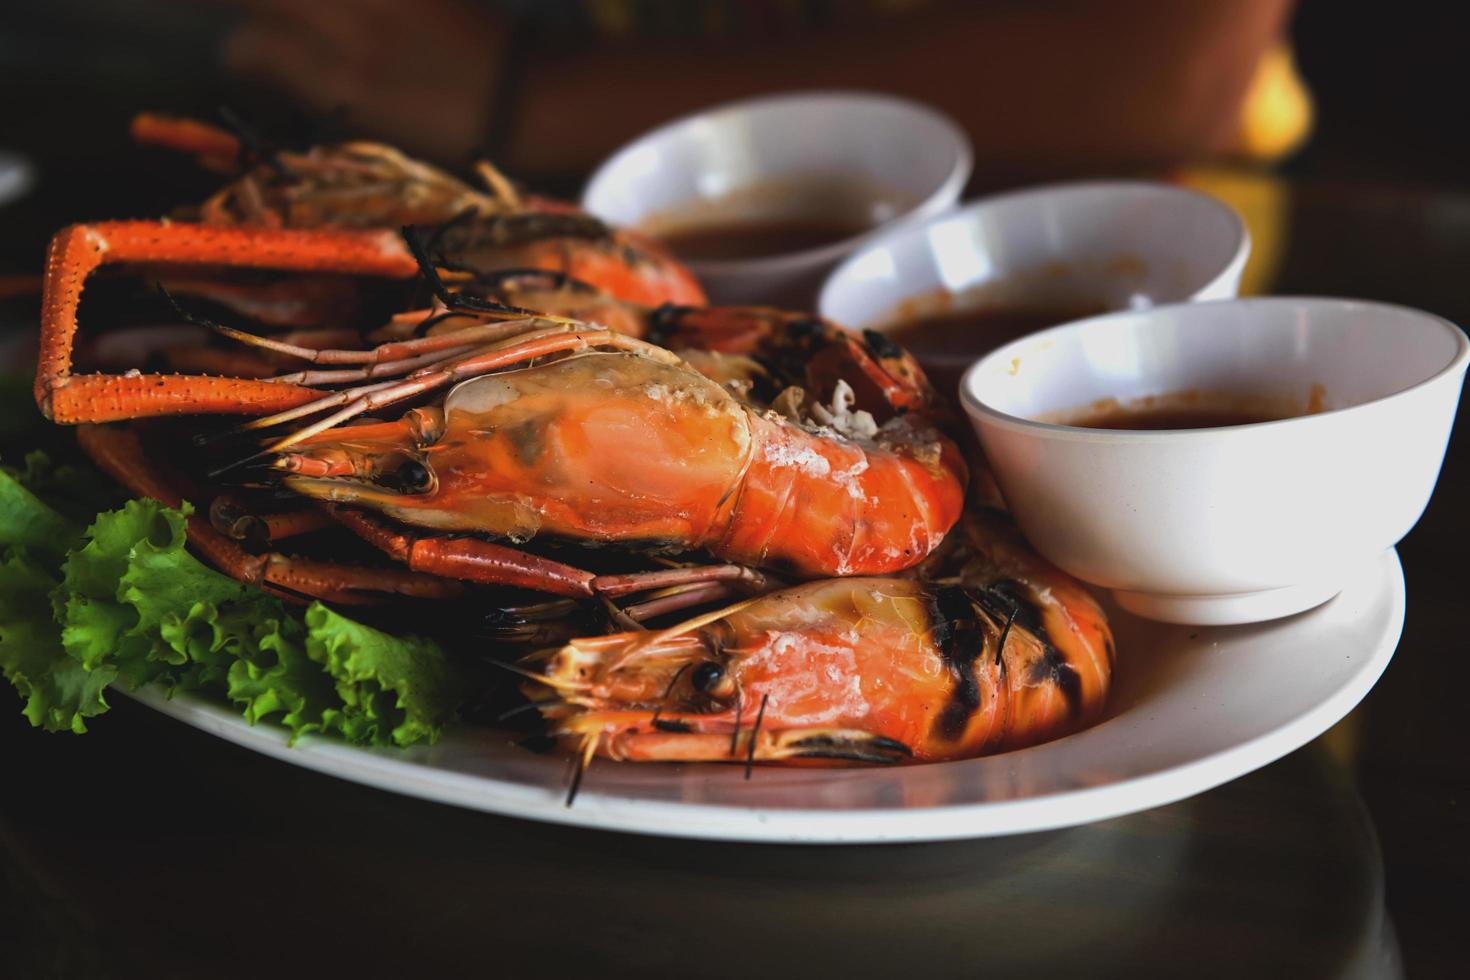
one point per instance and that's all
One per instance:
(77, 492)
(129, 603)
(280, 680)
(27, 522)
(133, 598)
(58, 692)
(398, 688)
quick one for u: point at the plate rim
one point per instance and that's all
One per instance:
(804, 825)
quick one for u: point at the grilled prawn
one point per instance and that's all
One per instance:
(1004, 654)
(366, 185)
(330, 218)
(629, 445)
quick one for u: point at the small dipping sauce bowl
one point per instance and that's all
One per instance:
(781, 169)
(1232, 524)
(960, 285)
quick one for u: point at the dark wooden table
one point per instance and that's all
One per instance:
(147, 849)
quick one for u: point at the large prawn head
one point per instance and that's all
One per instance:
(599, 447)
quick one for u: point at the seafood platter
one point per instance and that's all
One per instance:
(708, 570)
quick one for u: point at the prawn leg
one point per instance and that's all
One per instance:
(120, 453)
(468, 559)
(256, 531)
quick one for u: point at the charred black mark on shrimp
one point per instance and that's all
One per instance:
(805, 328)
(665, 319)
(633, 256)
(960, 640)
(1028, 613)
(852, 748)
(882, 345)
(846, 755)
(674, 727)
(1003, 609)
(1052, 665)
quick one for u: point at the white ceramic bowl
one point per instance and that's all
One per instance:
(916, 156)
(1233, 524)
(16, 177)
(1107, 245)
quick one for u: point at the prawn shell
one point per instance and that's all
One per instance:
(598, 447)
(856, 664)
(815, 504)
(896, 658)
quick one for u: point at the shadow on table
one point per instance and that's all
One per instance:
(118, 861)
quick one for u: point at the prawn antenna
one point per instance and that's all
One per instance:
(433, 320)
(434, 245)
(1005, 632)
(413, 238)
(735, 735)
(672, 681)
(551, 682)
(519, 709)
(755, 733)
(582, 764)
(659, 708)
(193, 319)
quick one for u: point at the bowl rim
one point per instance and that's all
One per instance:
(976, 407)
(903, 237)
(938, 201)
(17, 176)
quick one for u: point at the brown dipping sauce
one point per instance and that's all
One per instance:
(1186, 410)
(946, 344)
(1173, 418)
(759, 239)
(776, 216)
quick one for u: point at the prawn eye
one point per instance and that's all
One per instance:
(706, 676)
(411, 477)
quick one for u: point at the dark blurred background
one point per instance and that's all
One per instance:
(1386, 83)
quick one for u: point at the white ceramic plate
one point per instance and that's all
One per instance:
(1193, 707)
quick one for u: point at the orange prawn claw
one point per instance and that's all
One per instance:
(78, 251)
(332, 209)
(215, 148)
